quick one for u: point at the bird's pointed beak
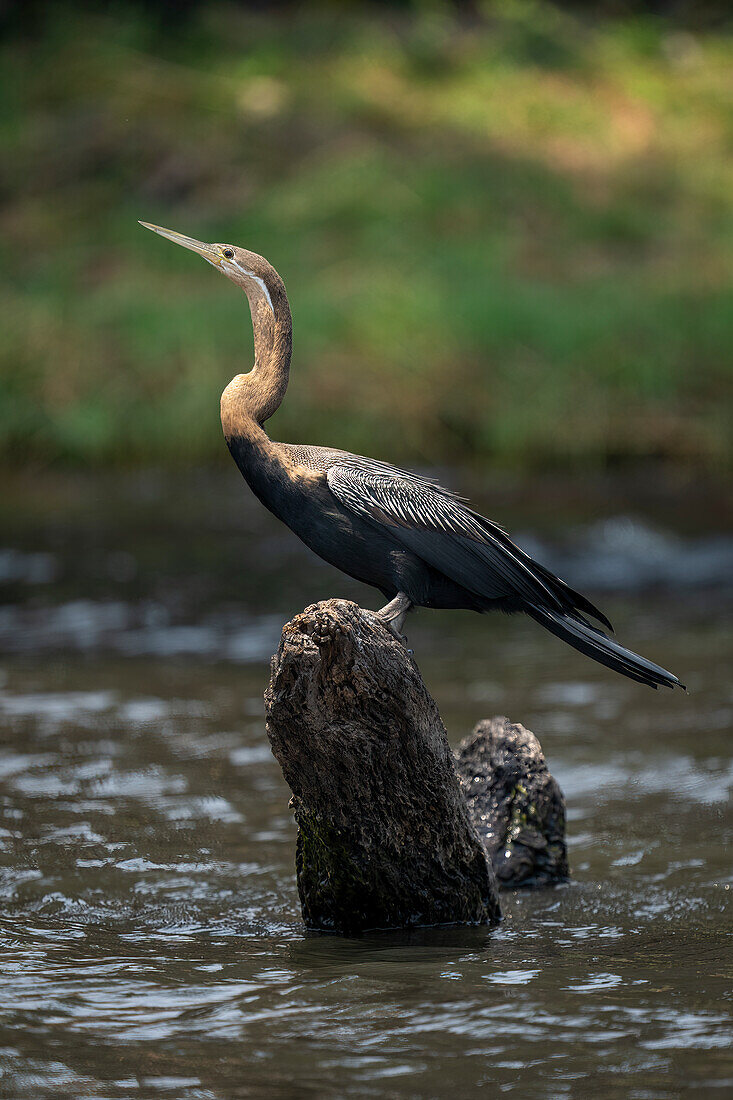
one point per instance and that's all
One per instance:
(208, 251)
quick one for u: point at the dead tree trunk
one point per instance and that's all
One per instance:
(393, 831)
(384, 835)
(515, 804)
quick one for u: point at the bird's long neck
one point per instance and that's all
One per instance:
(250, 399)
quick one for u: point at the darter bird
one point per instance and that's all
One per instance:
(415, 541)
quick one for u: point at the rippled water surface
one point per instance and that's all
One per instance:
(151, 942)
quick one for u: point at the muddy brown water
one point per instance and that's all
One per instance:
(151, 942)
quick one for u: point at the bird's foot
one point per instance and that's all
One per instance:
(402, 638)
(393, 627)
(393, 617)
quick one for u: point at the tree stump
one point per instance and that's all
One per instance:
(384, 835)
(393, 830)
(515, 804)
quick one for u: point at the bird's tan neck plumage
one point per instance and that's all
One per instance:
(250, 399)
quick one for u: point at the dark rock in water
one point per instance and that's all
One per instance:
(384, 835)
(515, 804)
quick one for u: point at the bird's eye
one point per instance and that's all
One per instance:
(228, 253)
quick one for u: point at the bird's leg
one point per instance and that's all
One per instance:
(394, 613)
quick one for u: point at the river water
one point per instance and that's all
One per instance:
(151, 941)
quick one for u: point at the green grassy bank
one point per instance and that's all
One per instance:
(506, 239)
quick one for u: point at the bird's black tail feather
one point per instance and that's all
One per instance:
(594, 643)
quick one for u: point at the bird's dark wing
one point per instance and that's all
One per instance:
(441, 529)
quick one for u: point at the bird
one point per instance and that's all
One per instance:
(419, 544)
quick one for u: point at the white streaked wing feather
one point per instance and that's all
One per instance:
(384, 493)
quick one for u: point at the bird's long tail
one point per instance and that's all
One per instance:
(596, 644)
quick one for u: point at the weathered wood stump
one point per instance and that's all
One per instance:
(387, 837)
(384, 836)
(515, 804)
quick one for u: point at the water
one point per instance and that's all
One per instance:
(151, 943)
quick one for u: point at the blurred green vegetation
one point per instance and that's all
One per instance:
(506, 236)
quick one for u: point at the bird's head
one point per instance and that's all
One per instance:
(253, 273)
